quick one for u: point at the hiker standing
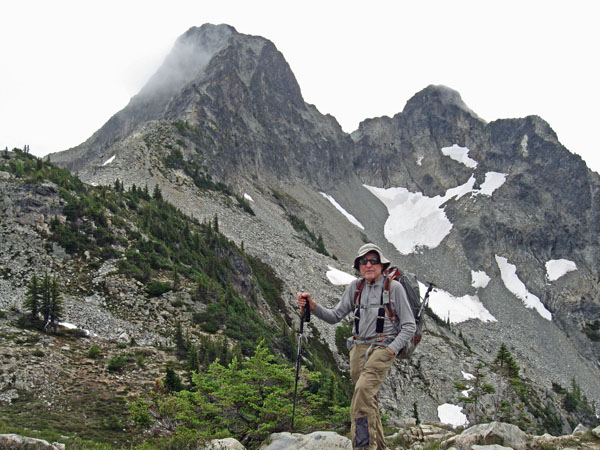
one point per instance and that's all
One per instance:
(373, 346)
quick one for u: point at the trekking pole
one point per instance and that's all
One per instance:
(305, 318)
(426, 298)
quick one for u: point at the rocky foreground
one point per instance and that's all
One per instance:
(494, 435)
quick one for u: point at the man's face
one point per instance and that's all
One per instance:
(371, 272)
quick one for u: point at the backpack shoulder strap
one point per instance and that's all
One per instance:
(359, 287)
(385, 298)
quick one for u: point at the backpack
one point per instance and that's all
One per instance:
(411, 287)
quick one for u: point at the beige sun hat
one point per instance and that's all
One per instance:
(371, 248)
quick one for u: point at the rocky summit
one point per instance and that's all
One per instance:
(500, 216)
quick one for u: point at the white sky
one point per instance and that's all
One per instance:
(68, 66)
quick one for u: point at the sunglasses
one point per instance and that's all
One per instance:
(363, 261)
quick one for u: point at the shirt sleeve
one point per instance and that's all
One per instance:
(339, 311)
(406, 319)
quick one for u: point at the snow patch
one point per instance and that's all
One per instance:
(480, 279)
(457, 309)
(71, 326)
(348, 216)
(493, 180)
(460, 154)
(508, 272)
(416, 220)
(109, 160)
(247, 197)
(338, 277)
(556, 268)
(467, 376)
(452, 415)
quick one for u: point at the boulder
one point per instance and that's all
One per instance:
(319, 440)
(494, 433)
(224, 444)
(580, 430)
(10, 441)
(490, 447)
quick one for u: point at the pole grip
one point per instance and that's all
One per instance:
(307, 312)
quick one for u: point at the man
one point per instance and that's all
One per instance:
(371, 353)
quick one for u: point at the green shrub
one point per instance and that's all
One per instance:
(342, 333)
(157, 288)
(117, 363)
(94, 352)
(248, 400)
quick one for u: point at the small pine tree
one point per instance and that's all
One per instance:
(416, 413)
(50, 302)
(477, 390)
(157, 194)
(506, 364)
(193, 360)
(180, 342)
(216, 224)
(46, 298)
(172, 381)
(33, 298)
(56, 304)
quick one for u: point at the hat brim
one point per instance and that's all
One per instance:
(383, 260)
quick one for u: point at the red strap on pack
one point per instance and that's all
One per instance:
(359, 287)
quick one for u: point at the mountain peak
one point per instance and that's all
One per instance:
(189, 57)
(440, 95)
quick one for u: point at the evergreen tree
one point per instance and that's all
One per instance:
(320, 246)
(216, 224)
(193, 360)
(172, 381)
(474, 390)
(180, 342)
(51, 305)
(33, 298)
(157, 194)
(506, 366)
(46, 298)
(56, 304)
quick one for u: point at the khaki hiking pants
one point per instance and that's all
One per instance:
(368, 367)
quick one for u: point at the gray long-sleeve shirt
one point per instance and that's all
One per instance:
(370, 300)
